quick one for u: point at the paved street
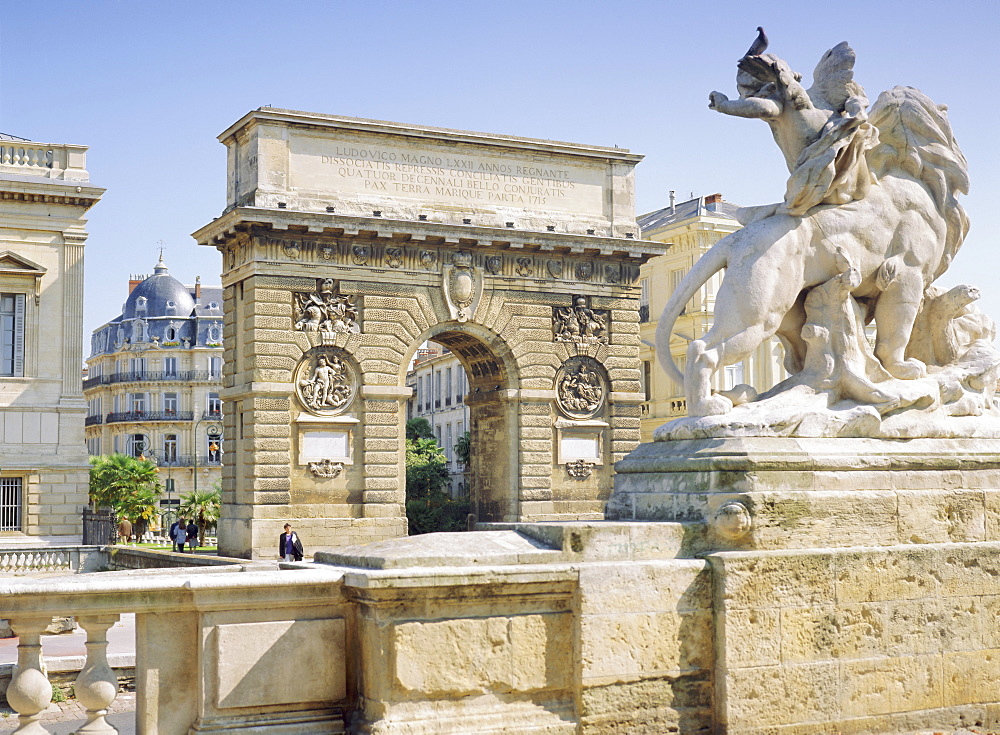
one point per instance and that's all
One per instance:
(65, 717)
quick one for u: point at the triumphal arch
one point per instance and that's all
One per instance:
(346, 245)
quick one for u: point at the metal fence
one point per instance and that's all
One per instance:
(99, 527)
(10, 503)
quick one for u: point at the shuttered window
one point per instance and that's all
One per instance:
(12, 334)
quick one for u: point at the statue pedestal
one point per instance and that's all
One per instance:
(855, 582)
(815, 493)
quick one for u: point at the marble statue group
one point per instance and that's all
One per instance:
(870, 220)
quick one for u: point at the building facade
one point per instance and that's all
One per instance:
(689, 228)
(154, 378)
(44, 195)
(439, 386)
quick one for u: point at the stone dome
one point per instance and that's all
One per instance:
(159, 295)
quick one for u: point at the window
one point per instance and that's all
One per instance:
(420, 393)
(137, 365)
(10, 503)
(170, 367)
(437, 432)
(169, 486)
(675, 281)
(12, 338)
(214, 404)
(449, 442)
(214, 448)
(215, 367)
(137, 402)
(647, 379)
(94, 406)
(437, 390)
(447, 388)
(170, 448)
(644, 300)
(136, 445)
(94, 446)
(170, 403)
(734, 375)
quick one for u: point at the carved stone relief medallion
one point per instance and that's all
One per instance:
(580, 469)
(579, 323)
(326, 252)
(462, 285)
(584, 270)
(291, 249)
(361, 254)
(524, 268)
(394, 257)
(325, 382)
(325, 311)
(494, 263)
(555, 268)
(580, 387)
(612, 273)
(326, 468)
(428, 258)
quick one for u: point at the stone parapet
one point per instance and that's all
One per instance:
(816, 493)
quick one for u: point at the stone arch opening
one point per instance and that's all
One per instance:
(489, 480)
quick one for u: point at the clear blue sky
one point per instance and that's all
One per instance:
(148, 85)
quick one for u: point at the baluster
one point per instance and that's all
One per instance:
(29, 692)
(97, 686)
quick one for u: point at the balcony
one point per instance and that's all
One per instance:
(93, 420)
(64, 162)
(213, 414)
(144, 416)
(190, 460)
(153, 376)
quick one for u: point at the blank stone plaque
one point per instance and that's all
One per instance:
(579, 447)
(325, 445)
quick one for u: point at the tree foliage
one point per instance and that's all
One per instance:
(428, 506)
(204, 506)
(463, 448)
(127, 485)
(419, 428)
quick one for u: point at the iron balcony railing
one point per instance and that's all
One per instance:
(212, 414)
(129, 416)
(147, 376)
(188, 460)
(93, 420)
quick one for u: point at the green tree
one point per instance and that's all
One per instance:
(419, 428)
(463, 448)
(127, 485)
(204, 507)
(428, 506)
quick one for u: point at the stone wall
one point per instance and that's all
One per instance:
(858, 640)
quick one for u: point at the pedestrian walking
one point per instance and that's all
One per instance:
(170, 533)
(192, 535)
(178, 533)
(289, 545)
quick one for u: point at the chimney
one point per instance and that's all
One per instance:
(673, 201)
(197, 289)
(134, 280)
(712, 201)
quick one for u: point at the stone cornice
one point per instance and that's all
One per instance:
(47, 192)
(447, 135)
(317, 223)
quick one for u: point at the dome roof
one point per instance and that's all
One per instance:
(159, 295)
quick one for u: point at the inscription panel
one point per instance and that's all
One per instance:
(363, 167)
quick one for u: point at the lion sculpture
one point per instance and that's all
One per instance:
(877, 190)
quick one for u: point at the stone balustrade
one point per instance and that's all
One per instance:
(33, 560)
(67, 162)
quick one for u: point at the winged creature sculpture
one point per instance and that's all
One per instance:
(869, 191)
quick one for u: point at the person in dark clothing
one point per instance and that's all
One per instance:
(192, 535)
(289, 545)
(178, 534)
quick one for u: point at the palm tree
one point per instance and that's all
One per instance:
(125, 484)
(204, 506)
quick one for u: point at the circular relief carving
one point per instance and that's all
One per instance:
(732, 521)
(325, 382)
(580, 387)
